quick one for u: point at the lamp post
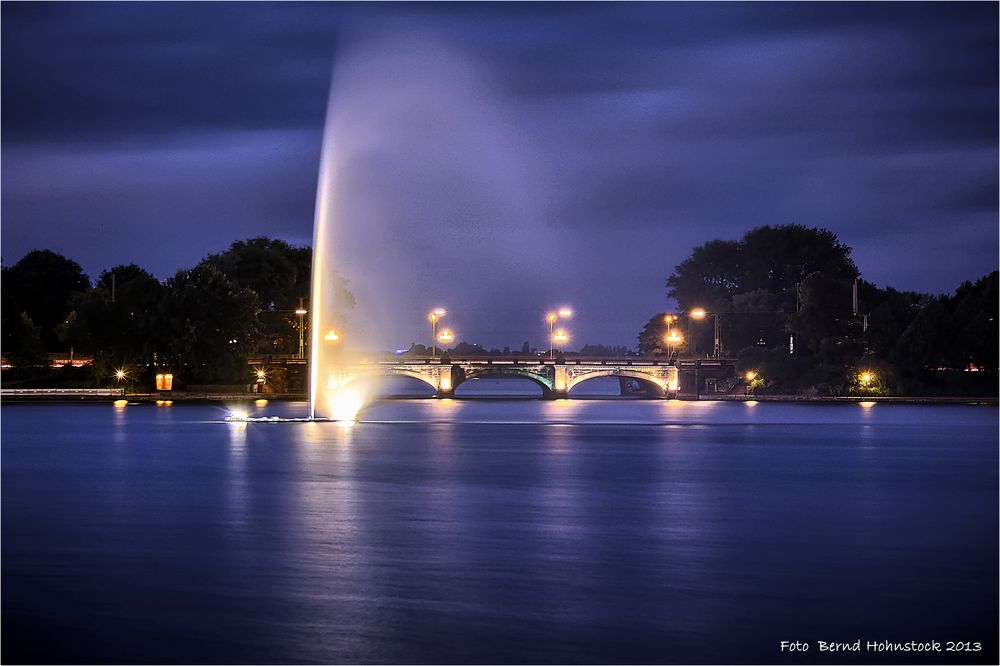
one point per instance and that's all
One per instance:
(121, 374)
(560, 337)
(673, 339)
(552, 317)
(699, 313)
(300, 313)
(434, 316)
(445, 337)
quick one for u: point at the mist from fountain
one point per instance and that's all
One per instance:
(428, 187)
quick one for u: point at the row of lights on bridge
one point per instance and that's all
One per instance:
(557, 337)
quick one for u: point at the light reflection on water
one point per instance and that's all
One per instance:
(506, 531)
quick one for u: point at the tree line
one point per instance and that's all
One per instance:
(202, 322)
(785, 298)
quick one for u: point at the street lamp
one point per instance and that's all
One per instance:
(552, 317)
(560, 337)
(673, 339)
(445, 337)
(300, 312)
(700, 313)
(331, 336)
(434, 316)
(120, 375)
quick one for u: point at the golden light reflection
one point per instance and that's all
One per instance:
(345, 405)
(445, 405)
(561, 409)
(261, 402)
(867, 404)
(751, 403)
(120, 404)
(164, 403)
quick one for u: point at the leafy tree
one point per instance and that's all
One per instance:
(42, 285)
(279, 274)
(709, 277)
(924, 343)
(207, 325)
(776, 259)
(824, 323)
(772, 259)
(30, 351)
(651, 337)
(975, 323)
(467, 349)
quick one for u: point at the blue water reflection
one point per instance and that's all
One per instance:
(495, 531)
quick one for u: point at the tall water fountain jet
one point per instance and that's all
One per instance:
(429, 188)
(324, 339)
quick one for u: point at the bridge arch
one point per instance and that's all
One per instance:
(507, 372)
(382, 372)
(651, 382)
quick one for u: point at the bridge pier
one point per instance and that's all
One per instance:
(446, 382)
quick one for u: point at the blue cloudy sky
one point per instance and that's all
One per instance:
(500, 159)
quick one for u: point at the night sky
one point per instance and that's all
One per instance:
(504, 159)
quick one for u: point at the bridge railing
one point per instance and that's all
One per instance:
(65, 392)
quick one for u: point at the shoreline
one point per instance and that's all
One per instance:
(180, 396)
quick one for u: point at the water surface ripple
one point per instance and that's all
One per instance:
(497, 531)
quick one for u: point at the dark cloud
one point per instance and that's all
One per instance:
(569, 152)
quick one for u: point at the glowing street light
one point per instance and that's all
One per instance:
(672, 339)
(445, 337)
(120, 374)
(552, 318)
(261, 375)
(331, 336)
(434, 316)
(300, 312)
(560, 337)
(866, 378)
(700, 313)
(750, 375)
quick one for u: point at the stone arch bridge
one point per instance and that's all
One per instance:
(652, 377)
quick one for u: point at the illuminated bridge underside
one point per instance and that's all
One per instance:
(656, 378)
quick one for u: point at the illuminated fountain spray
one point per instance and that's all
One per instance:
(322, 351)
(420, 157)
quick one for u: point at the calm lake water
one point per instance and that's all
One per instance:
(497, 531)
